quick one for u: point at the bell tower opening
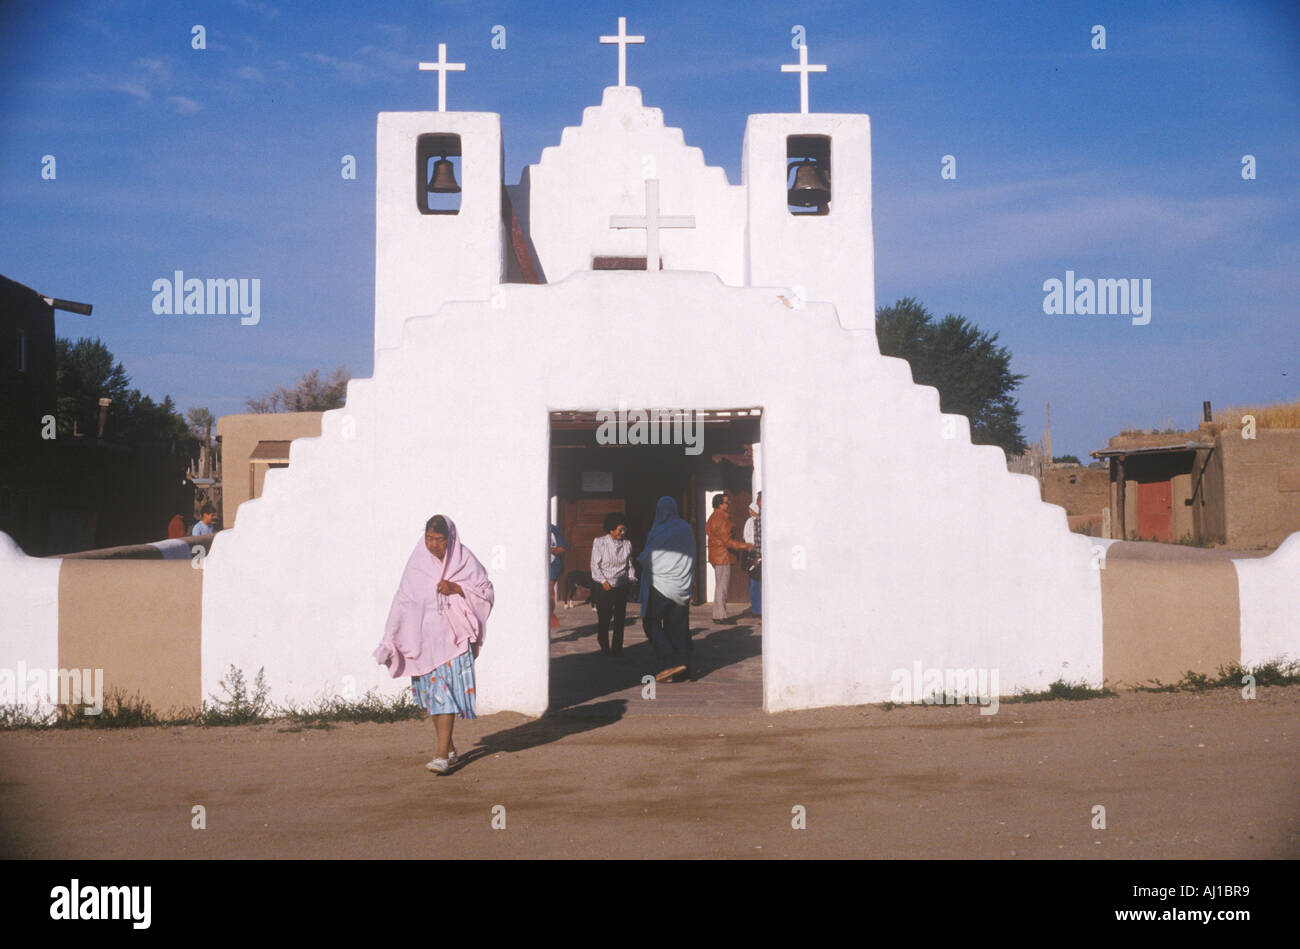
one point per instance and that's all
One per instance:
(808, 174)
(437, 173)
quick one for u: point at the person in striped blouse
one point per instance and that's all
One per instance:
(612, 570)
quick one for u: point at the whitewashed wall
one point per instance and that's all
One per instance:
(1269, 590)
(831, 257)
(599, 169)
(423, 260)
(915, 546)
(29, 618)
(889, 538)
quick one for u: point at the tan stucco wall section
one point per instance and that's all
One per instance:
(240, 435)
(140, 622)
(1167, 610)
(1255, 471)
(1088, 494)
(1180, 489)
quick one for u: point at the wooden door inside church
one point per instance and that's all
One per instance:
(582, 522)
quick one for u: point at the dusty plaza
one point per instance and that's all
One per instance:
(698, 772)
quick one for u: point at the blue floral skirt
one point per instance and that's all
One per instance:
(448, 689)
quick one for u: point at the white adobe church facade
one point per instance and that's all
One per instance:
(496, 315)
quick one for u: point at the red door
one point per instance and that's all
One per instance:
(1155, 511)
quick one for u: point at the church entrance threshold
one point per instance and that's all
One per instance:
(598, 469)
(728, 667)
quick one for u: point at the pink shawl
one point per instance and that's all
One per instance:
(425, 628)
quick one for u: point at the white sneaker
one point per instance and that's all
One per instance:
(439, 765)
(453, 757)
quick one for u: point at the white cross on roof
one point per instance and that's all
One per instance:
(803, 69)
(622, 39)
(651, 221)
(442, 67)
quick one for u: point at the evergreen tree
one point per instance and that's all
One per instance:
(85, 372)
(972, 373)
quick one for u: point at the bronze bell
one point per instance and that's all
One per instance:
(443, 179)
(812, 186)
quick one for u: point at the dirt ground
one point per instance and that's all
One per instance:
(1180, 776)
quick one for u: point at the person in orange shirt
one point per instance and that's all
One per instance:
(722, 548)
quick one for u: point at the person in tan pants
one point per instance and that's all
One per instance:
(722, 553)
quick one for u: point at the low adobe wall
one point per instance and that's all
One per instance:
(139, 621)
(1166, 611)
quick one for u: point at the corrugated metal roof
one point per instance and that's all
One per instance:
(1184, 446)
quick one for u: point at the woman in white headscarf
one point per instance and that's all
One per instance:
(435, 628)
(667, 568)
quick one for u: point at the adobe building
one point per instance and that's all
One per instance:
(1236, 487)
(1082, 492)
(253, 444)
(517, 316)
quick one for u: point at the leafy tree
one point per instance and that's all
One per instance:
(201, 422)
(85, 372)
(972, 374)
(308, 394)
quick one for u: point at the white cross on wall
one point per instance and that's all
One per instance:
(803, 69)
(652, 222)
(442, 67)
(622, 39)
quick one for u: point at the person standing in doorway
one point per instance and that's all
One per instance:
(722, 553)
(435, 628)
(667, 567)
(753, 558)
(611, 571)
(557, 569)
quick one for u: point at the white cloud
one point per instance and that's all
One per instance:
(979, 230)
(250, 74)
(134, 89)
(156, 69)
(183, 105)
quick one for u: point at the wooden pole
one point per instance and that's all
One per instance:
(1119, 497)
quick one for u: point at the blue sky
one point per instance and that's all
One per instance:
(1117, 163)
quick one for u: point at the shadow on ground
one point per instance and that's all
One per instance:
(550, 727)
(580, 673)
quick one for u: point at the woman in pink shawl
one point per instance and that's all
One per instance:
(435, 628)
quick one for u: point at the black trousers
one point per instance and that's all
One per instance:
(610, 604)
(668, 627)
